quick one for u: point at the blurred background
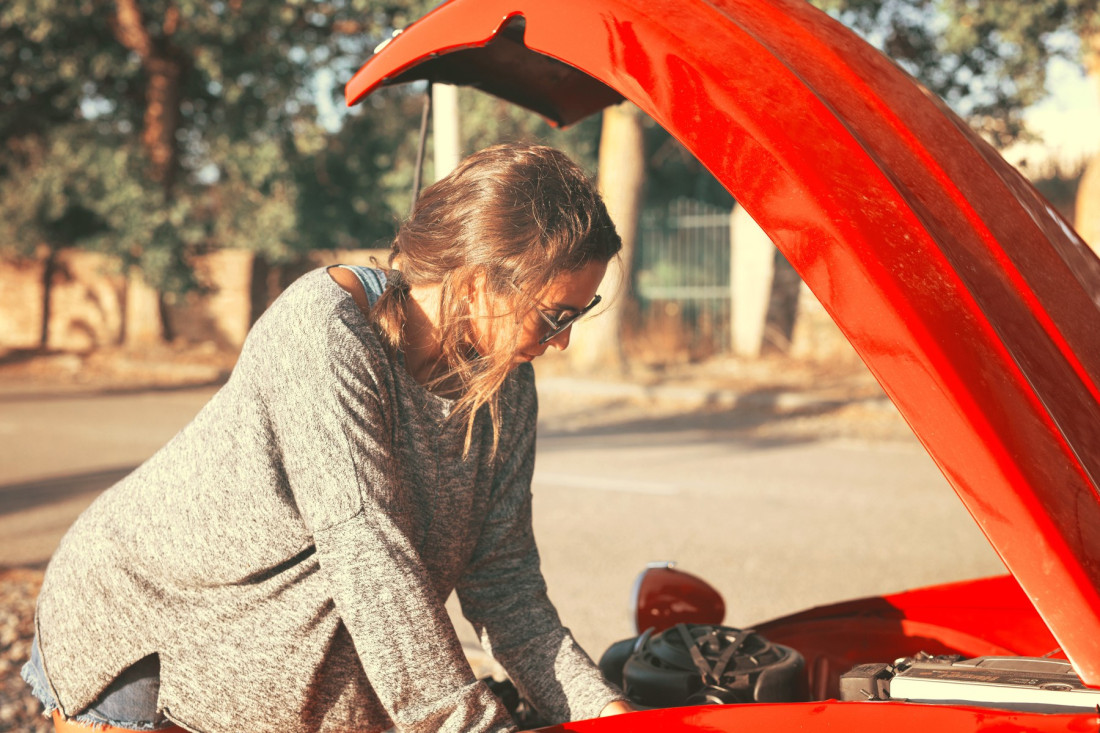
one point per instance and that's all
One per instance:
(168, 167)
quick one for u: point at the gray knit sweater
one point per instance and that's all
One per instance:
(289, 552)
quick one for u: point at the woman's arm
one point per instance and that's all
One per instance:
(503, 595)
(334, 428)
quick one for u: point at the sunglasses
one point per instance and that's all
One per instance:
(559, 323)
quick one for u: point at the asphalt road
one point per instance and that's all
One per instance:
(780, 510)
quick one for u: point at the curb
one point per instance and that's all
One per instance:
(701, 395)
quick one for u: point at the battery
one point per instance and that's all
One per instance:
(1013, 683)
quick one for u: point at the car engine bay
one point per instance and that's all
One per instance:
(699, 664)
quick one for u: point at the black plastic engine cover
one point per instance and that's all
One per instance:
(694, 664)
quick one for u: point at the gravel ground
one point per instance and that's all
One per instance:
(19, 711)
(767, 399)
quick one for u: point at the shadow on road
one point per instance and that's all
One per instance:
(30, 494)
(35, 375)
(756, 419)
(51, 394)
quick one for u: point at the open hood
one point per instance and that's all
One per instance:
(973, 303)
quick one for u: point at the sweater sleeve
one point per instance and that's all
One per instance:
(504, 596)
(335, 435)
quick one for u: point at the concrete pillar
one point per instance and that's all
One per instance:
(142, 311)
(752, 265)
(1087, 215)
(596, 345)
(445, 129)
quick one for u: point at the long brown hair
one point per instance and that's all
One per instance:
(511, 218)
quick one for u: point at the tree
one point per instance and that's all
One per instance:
(488, 120)
(46, 63)
(197, 125)
(988, 60)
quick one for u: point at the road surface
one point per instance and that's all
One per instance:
(780, 510)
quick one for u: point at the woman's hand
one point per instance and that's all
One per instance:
(618, 708)
(613, 708)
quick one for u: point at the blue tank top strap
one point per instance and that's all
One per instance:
(372, 279)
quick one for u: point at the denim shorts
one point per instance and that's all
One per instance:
(128, 702)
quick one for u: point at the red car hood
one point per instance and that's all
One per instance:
(973, 303)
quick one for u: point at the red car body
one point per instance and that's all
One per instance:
(970, 299)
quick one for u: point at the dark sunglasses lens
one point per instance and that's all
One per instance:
(559, 324)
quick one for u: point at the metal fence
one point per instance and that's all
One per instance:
(681, 279)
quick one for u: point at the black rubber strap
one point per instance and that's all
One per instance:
(727, 654)
(693, 650)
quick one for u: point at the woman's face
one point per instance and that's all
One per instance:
(567, 295)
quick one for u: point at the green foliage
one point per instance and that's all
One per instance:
(356, 187)
(487, 120)
(255, 167)
(68, 189)
(672, 172)
(268, 159)
(55, 57)
(252, 204)
(986, 59)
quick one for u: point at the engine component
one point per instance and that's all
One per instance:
(664, 596)
(866, 682)
(696, 664)
(1012, 683)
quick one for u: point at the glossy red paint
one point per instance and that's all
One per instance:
(493, 58)
(835, 717)
(665, 596)
(995, 610)
(968, 297)
(989, 617)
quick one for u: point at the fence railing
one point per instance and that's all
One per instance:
(681, 278)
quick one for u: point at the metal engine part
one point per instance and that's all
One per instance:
(1036, 684)
(696, 664)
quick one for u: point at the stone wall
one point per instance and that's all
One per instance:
(93, 305)
(223, 312)
(85, 303)
(20, 304)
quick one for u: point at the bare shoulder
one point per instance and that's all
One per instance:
(347, 280)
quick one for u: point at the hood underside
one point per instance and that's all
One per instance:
(503, 66)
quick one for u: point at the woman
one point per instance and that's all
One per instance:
(282, 564)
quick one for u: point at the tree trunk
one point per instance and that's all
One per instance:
(162, 118)
(752, 272)
(598, 344)
(164, 317)
(258, 292)
(49, 267)
(164, 68)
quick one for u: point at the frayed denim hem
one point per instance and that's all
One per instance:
(38, 689)
(34, 674)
